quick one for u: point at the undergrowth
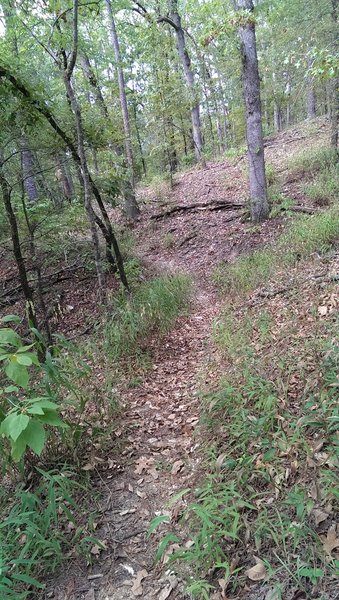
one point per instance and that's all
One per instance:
(305, 236)
(153, 306)
(40, 529)
(265, 510)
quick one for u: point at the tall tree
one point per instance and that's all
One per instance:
(251, 91)
(174, 20)
(131, 206)
(335, 84)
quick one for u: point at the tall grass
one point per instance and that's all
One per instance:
(37, 530)
(306, 235)
(312, 161)
(154, 306)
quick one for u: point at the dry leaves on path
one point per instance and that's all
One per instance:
(137, 584)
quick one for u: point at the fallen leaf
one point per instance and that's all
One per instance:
(331, 541)
(137, 587)
(258, 572)
(165, 592)
(96, 549)
(177, 466)
(220, 461)
(322, 310)
(319, 515)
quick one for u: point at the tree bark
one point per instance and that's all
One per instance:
(64, 177)
(27, 167)
(131, 205)
(251, 91)
(175, 22)
(311, 97)
(335, 83)
(19, 259)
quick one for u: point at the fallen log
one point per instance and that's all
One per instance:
(199, 206)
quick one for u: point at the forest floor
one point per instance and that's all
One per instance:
(162, 453)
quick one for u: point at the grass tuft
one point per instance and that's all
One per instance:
(154, 306)
(311, 162)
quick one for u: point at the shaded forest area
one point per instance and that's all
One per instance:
(169, 299)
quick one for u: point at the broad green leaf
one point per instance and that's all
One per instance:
(10, 389)
(17, 373)
(9, 337)
(9, 318)
(24, 359)
(44, 403)
(35, 409)
(24, 348)
(35, 436)
(51, 418)
(14, 425)
(18, 448)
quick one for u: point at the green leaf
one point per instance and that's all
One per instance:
(17, 373)
(9, 318)
(156, 522)
(18, 449)
(51, 418)
(24, 359)
(44, 403)
(170, 537)
(10, 389)
(9, 337)
(35, 409)
(29, 580)
(35, 436)
(178, 496)
(14, 424)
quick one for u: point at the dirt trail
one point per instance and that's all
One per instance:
(162, 413)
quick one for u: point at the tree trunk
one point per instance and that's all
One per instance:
(19, 259)
(189, 78)
(311, 98)
(86, 181)
(131, 206)
(277, 116)
(27, 167)
(251, 90)
(64, 177)
(335, 83)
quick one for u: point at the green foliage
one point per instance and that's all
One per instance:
(245, 502)
(304, 236)
(271, 174)
(38, 529)
(153, 306)
(24, 415)
(324, 187)
(311, 162)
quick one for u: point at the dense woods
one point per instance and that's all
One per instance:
(168, 221)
